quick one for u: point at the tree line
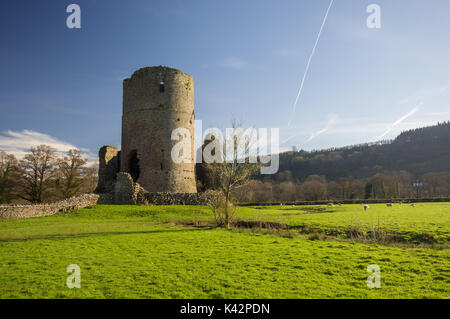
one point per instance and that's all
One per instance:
(414, 165)
(417, 151)
(43, 175)
(396, 185)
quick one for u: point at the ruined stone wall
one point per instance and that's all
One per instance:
(177, 198)
(128, 192)
(157, 100)
(38, 210)
(108, 168)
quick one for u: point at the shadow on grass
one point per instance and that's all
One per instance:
(100, 233)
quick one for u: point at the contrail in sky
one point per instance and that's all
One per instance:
(309, 61)
(404, 117)
(332, 119)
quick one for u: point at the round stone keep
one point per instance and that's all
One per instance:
(157, 100)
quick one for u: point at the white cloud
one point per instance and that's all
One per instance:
(19, 144)
(233, 63)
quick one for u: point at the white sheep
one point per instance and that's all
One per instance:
(389, 204)
(366, 207)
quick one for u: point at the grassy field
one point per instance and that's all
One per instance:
(430, 221)
(157, 252)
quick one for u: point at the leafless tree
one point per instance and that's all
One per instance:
(9, 177)
(234, 165)
(286, 191)
(90, 179)
(313, 190)
(70, 171)
(37, 169)
(435, 182)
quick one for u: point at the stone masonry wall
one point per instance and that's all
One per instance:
(127, 192)
(38, 210)
(177, 198)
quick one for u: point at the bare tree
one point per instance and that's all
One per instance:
(70, 177)
(434, 182)
(9, 177)
(313, 190)
(90, 179)
(37, 168)
(286, 191)
(255, 191)
(334, 191)
(233, 165)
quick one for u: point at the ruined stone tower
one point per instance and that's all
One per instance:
(157, 100)
(108, 168)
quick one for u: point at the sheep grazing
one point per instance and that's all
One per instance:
(366, 207)
(330, 204)
(389, 204)
(339, 204)
(412, 205)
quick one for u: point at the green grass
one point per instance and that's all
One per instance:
(102, 219)
(143, 252)
(430, 220)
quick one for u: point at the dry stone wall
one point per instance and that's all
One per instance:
(126, 192)
(177, 198)
(38, 210)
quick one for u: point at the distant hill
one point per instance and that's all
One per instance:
(416, 151)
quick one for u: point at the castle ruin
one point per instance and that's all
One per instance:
(156, 100)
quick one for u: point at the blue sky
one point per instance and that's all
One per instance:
(63, 86)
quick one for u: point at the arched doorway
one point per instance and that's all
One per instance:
(133, 165)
